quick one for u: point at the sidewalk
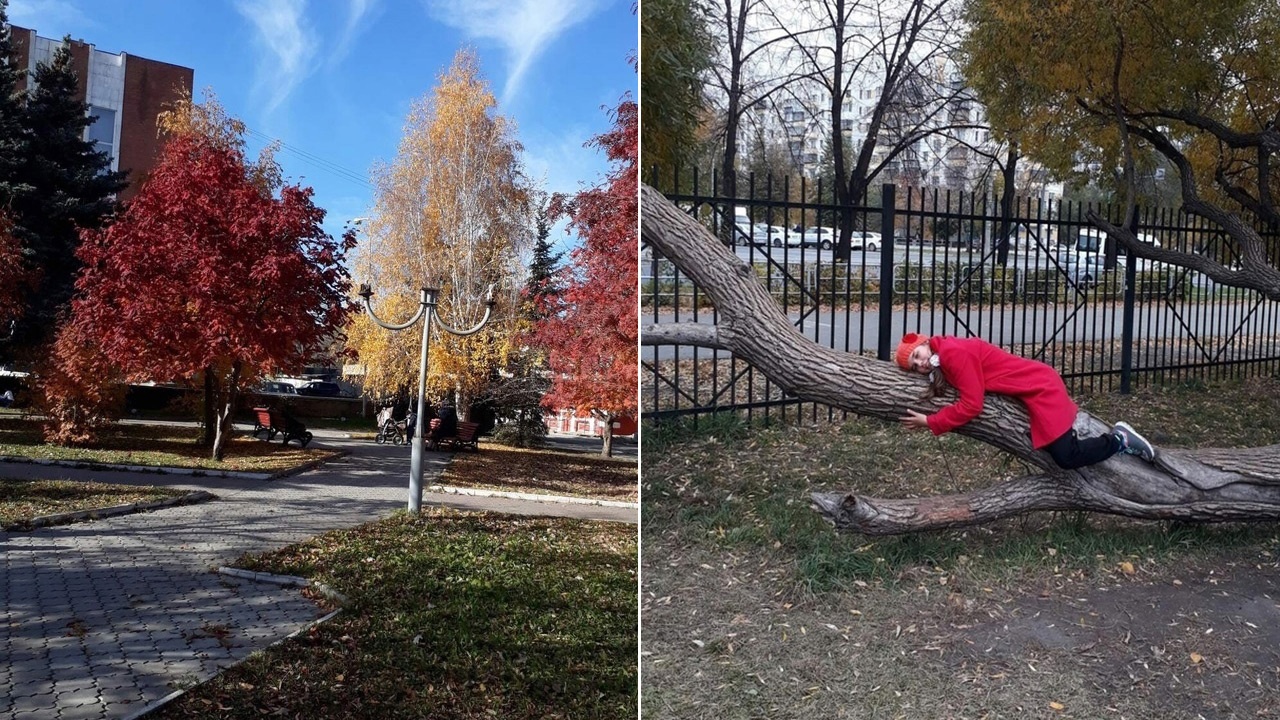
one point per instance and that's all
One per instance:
(101, 619)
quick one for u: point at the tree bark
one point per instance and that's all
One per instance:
(606, 437)
(225, 413)
(1209, 485)
(207, 434)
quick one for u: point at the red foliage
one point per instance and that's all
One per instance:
(592, 330)
(205, 269)
(17, 278)
(77, 390)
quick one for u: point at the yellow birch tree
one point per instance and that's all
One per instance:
(451, 211)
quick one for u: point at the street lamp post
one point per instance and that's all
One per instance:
(427, 312)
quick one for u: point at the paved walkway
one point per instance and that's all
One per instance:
(102, 619)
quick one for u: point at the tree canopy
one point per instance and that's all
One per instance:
(1107, 88)
(207, 272)
(676, 51)
(452, 212)
(592, 329)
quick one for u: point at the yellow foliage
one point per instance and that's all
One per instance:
(451, 212)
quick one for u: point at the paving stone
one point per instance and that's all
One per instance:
(140, 585)
(76, 698)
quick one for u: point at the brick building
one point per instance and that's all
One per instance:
(125, 93)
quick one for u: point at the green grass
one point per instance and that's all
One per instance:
(154, 445)
(23, 500)
(451, 615)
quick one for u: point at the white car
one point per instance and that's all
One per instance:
(823, 237)
(861, 239)
(766, 234)
(782, 237)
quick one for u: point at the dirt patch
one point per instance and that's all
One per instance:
(727, 636)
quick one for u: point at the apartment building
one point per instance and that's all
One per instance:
(126, 93)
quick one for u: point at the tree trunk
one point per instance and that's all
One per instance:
(1197, 485)
(1008, 196)
(606, 436)
(225, 413)
(207, 433)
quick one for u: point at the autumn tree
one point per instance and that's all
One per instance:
(210, 273)
(451, 212)
(1117, 87)
(17, 278)
(592, 331)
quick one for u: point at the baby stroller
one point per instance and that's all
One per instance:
(389, 430)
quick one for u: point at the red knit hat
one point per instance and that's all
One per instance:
(909, 343)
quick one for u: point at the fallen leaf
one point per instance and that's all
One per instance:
(1126, 567)
(1196, 658)
(1057, 706)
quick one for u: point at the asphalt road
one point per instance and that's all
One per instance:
(623, 447)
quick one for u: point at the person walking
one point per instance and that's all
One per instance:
(975, 367)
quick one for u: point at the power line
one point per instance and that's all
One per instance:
(312, 159)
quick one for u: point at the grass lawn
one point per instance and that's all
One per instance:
(753, 607)
(451, 615)
(156, 445)
(499, 467)
(22, 500)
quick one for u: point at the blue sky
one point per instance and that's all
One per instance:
(333, 79)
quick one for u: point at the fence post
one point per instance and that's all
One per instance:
(1126, 332)
(887, 222)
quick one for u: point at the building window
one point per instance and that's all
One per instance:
(102, 132)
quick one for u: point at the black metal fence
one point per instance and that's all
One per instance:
(929, 261)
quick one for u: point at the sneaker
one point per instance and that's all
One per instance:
(1132, 443)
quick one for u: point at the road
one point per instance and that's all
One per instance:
(1029, 324)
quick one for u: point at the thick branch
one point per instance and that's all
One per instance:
(1207, 485)
(698, 334)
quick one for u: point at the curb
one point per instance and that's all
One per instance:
(146, 469)
(451, 490)
(112, 511)
(164, 470)
(179, 693)
(284, 581)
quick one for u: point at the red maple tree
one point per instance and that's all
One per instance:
(592, 327)
(17, 278)
(206, 272)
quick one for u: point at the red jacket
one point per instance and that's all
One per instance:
(975, 367)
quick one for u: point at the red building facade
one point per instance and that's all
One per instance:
(126, 94)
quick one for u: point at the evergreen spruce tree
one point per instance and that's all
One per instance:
(63, 185)
(543, 269)
(12, 142)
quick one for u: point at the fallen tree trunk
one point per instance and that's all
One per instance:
(1207, 485)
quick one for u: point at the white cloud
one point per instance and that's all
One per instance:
(286, 47)
(357, 13)
(523, 27)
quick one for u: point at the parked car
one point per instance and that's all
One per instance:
(277, 388)
(766, 234)
(322, 388)
(823, 237)
(865, 239)
(779, 236)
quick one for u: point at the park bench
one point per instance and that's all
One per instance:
(272, 422)
(464, 436)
